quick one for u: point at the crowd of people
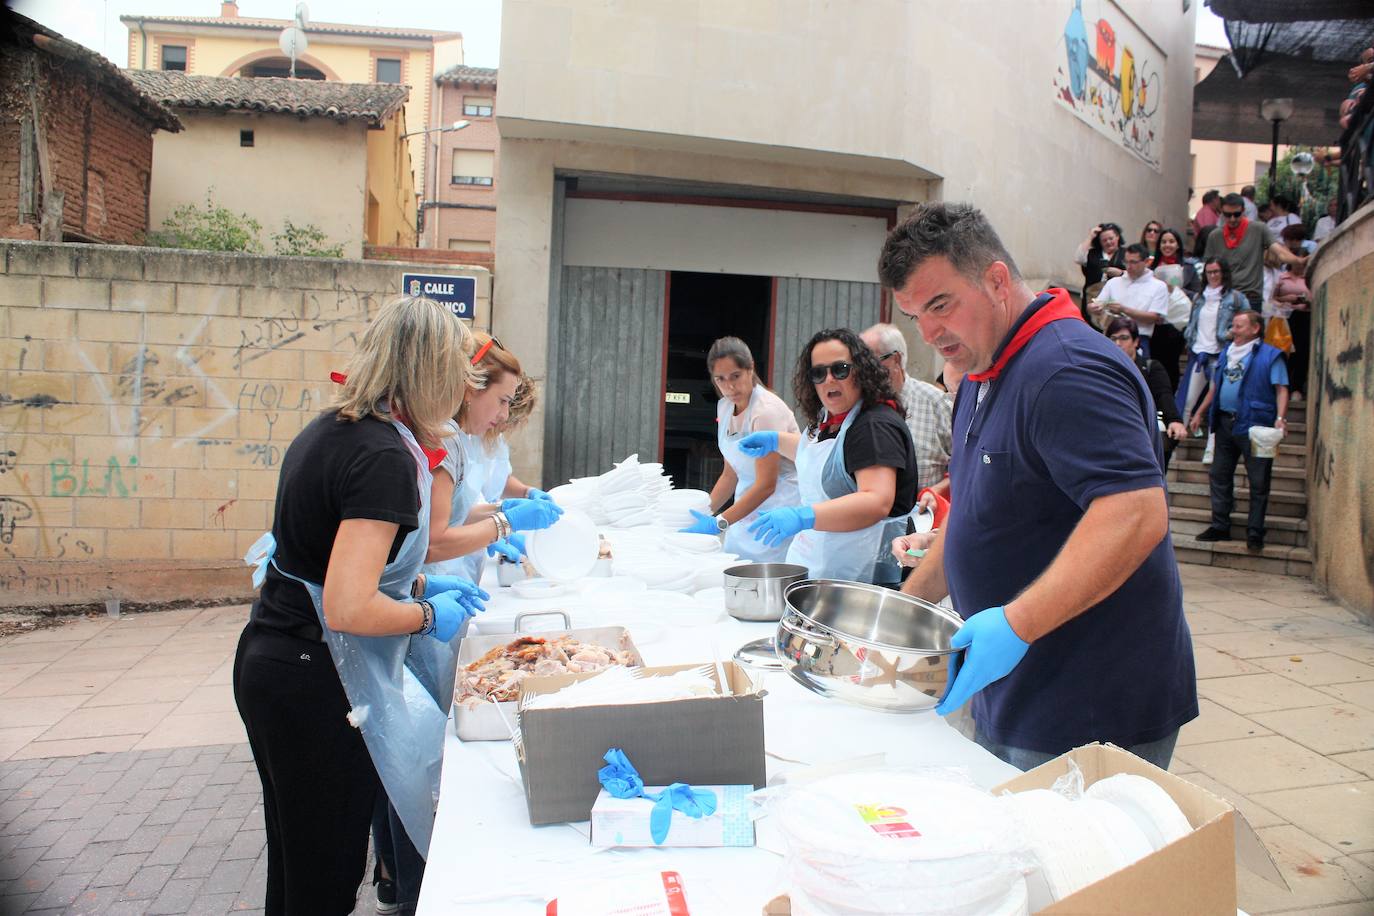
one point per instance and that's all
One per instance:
(1176, 312)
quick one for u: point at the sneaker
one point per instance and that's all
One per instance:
(1254, 543)
(1214, 534)
(386, 896)
(1207, 452)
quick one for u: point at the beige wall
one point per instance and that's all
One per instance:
(217, 51)
(1340, 414)
(310, 171)
(1226, 167)
(884, 99)
(151, 395)
(391, 180)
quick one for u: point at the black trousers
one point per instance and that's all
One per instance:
(1166, 345)
(1227, 451)
(1300, 323)
(318, 783)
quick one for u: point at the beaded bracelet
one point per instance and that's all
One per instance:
(426, 619)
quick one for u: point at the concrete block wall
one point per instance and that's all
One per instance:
(146, 399)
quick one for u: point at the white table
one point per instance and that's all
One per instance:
(486, 858)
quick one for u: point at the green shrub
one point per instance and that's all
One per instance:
(308, 241)
(213, 228)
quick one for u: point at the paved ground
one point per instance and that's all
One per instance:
(126, 785)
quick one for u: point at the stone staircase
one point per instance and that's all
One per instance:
(1285, 543)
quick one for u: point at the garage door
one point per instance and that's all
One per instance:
(607, 370)
(807, 306)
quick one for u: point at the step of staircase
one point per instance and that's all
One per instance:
(1277, 559)
(1282, 479)
(1290, 454)
(1195, 496)
(1279, 530)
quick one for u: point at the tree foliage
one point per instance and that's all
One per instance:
(1322, 185)
(308, 241)
(211, 228)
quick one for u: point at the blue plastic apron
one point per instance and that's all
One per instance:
(465, 498)
(499, 470)
(738, 540)
(857, 556)
(399, 688)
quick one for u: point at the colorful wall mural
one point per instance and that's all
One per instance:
(1112, 77)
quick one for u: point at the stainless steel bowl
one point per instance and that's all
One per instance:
(867, 645)
(754, 591)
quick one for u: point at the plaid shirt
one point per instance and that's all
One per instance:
(930, 416)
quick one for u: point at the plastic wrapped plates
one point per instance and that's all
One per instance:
(567, 550)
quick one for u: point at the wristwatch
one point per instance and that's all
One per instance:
(722, 523)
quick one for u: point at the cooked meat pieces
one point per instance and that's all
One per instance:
(497, 674)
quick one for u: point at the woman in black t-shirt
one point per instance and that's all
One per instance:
(347, 545)
(856, 464)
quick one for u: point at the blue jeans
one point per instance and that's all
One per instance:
(1157, 752)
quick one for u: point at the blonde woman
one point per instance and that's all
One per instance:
(343, 616)
(469, 520)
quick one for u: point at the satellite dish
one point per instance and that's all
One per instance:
(293, 42)
(302, 16)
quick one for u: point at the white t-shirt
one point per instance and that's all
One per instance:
(1325, 226)
(1206, 340)
(1146, 294)
(770, 412)
(1278, 223)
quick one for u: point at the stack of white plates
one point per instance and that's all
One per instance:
(675, 507)
(566, 550)
(895, 842)
(696, 544)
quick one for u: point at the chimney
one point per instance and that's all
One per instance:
(229, 9)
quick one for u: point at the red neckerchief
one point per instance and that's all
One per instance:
(1059, 308)
(1232, 239)
(832, 422)
(435, 456)
(1168, 259)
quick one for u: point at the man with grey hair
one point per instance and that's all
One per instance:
(1056, 548)
(928, 413)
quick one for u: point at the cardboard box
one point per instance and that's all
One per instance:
(625, 821)
(705, 741)
(1194, 875)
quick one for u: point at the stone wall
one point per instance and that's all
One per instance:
(1340, 415)
(146, 399)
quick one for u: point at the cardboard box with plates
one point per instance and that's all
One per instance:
(1194, 874)
(705, 741)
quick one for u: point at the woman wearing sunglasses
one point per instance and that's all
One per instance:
(757, 484)
(856, 465)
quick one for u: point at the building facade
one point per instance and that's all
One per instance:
(234, 45)
(77, 137)
(674, 172)
(459, 206)
(315, 153)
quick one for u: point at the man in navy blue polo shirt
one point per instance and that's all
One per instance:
(1056, 549)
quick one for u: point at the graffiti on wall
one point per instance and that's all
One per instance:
(1112, 77)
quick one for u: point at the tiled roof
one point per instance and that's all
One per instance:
(22, 29)
(323, 28)
(371, 102)
(482, 76)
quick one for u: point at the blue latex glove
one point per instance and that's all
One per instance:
(437, 585)
(451, 608)
(530, 514)
(705, 524)
(992, 650)
(536, 493)
(777, 525)
(619, 777)
(677, 797)
(512, 548)
(763, 442)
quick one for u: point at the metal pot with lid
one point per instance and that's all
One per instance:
(867, 645)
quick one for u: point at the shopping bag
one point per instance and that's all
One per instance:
(1278, 334)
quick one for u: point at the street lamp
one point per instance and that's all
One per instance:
(1275, 111)
(433, 167)
(456, 125)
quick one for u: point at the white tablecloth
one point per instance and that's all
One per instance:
(486, 858)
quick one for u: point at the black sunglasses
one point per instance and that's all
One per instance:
(1236, 215)
(888, 355)
(840, 370)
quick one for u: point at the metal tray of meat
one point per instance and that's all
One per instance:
(485, 722)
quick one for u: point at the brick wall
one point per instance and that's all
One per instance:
(481, 133)
(146, 399)
(100, 150)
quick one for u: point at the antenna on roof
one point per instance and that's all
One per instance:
(292, 40)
